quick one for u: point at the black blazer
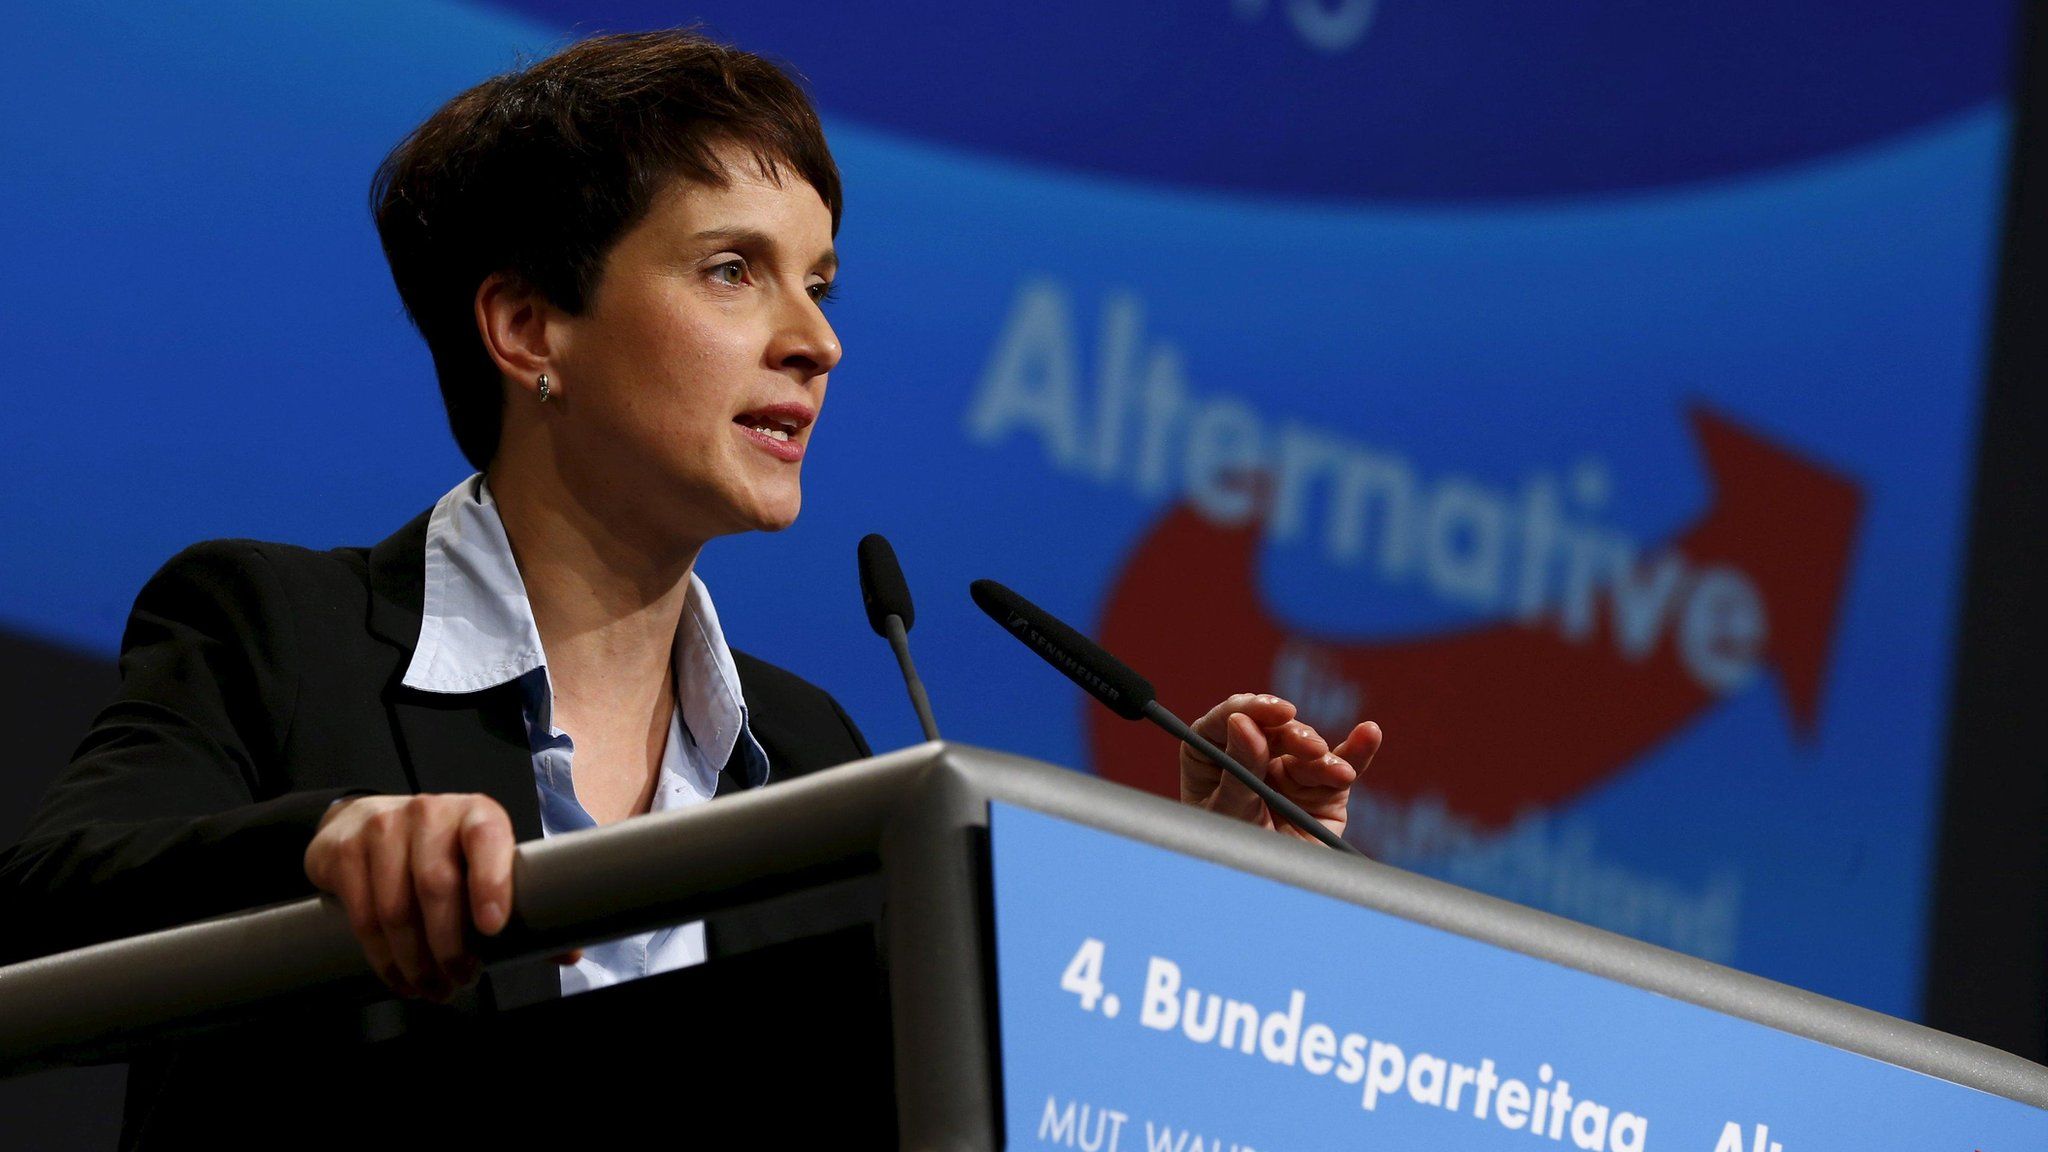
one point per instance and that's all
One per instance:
(259, 683)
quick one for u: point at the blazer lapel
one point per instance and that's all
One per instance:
(473, 742)
(477, 743)
(467, 742)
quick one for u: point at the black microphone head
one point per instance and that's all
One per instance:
(883, 591)
(1084, 661)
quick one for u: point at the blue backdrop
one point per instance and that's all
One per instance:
(1609, 377)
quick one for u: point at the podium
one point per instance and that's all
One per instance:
(948, 947)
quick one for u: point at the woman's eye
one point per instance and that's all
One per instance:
(824, 290)
(732, 272)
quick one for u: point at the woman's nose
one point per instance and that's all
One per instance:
(807, 342)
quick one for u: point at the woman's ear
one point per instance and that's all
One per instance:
(513, 318)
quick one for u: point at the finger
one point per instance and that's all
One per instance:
(1243, 740)
(1294, 738)
(1245, 744)
(391, 895)
(1323, 787)
(1361, 745)
(1338, 768)
(1328, 806)
(487, 846)
(350, 873)
(1265, 711)
(1319, 785)
(1198, 777)
(1324, 802)
(1296, 776)
(570, 958)
(439, 892)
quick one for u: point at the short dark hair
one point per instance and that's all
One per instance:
(540, 171)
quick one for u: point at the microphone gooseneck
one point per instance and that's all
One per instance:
(1126, 693)
(886, 596)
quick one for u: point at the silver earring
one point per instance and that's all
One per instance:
(543, 383)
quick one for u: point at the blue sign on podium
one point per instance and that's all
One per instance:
(1158, 1003)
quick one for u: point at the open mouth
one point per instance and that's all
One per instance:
(778, 422)
(778, 428)
(773, 429)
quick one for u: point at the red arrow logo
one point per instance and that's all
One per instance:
(1515, 715)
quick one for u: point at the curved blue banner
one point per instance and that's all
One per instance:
(1587, 396)
(1378, 99)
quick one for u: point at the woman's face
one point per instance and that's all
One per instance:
(692, 381)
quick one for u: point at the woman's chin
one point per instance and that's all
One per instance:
(775, 516)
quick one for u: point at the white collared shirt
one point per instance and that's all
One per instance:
(477, 632)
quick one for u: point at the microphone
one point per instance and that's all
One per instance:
(886, 596)
(1126, 693)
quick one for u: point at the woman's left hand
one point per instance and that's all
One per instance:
(1261, 733)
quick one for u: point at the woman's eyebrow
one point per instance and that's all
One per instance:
(737, 237)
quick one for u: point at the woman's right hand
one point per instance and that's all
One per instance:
(414, 872)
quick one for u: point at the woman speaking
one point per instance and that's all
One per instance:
(620, 257)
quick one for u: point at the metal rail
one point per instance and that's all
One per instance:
(99, 1001)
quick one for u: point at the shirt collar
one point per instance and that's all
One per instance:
(476, 624)
(477, 629)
